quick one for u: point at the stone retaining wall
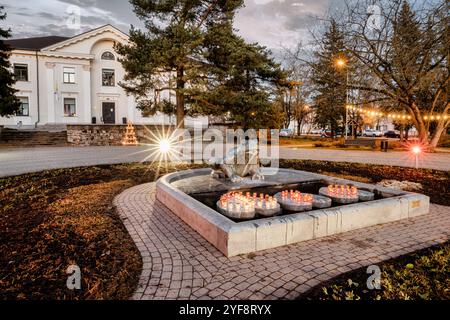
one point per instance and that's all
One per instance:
(108, 135)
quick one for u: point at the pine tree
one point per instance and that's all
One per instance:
(9, 104)
(172, 46)
(330, 81)
(406, 56)
(214, 71)
(242, 80)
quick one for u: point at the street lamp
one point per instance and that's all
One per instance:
(416, 150)
(340, 64)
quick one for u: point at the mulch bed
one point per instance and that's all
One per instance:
(54, 219)
(436, 184)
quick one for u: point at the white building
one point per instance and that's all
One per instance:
(74, 81)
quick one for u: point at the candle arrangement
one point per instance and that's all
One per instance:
(296, 196)
(341, 193)
(266, 205)
(245, 206)
(294, 200)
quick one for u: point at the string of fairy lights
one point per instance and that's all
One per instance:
(394, 116)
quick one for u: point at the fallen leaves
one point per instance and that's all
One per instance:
(54, 219)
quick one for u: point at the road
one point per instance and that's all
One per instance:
(15, 161)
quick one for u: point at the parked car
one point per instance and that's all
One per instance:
(392, 134)
(328, 134)
(372, 133)
(316, 132)
(286, 133)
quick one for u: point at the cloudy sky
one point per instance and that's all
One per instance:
(273, 23)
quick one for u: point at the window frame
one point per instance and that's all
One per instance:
(69, 75)
(27, 71)
(113, 78)
(21, 113)
(68, 115)
(112, 57)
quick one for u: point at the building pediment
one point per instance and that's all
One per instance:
(82, 43)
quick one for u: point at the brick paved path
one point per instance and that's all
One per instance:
(180, 264)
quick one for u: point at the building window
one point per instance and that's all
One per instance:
(24, 109)
(21, 72)
(70, 108)
(108, 78)
(108, 56)
(69, 75)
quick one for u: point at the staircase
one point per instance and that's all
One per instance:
(32, 138)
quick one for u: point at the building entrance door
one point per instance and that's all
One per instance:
(109, 112)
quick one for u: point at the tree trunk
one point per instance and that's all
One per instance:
(423, 131)
(402, 133)
(180, 97)
(438, 133)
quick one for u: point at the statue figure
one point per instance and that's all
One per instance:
(231, 167)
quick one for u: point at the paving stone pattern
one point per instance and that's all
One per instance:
(179, 264)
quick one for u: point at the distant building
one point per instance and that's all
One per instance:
(74, 81)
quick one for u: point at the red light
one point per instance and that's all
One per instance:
(416, 149)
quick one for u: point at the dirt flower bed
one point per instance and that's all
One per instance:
(54, 219)
(435, 184)
(424, 275)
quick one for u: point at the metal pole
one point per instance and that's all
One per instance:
(346, 106)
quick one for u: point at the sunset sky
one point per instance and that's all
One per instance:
(273, 23)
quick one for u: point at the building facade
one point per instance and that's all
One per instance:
(74, 81)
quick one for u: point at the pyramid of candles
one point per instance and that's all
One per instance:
(342, 191)
(296, 196)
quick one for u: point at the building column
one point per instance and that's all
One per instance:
(51, 90)
(131, 105)
(87, 94)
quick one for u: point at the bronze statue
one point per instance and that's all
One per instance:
(241, 161)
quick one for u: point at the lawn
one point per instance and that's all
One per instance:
(305, 141)
(317, 142)
(50, 220)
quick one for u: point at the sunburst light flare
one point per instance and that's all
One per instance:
(164, 146)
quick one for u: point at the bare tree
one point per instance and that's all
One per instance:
(298, 96)
(404, 50)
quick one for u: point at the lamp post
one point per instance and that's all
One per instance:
(416, 150)
(342, 63)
